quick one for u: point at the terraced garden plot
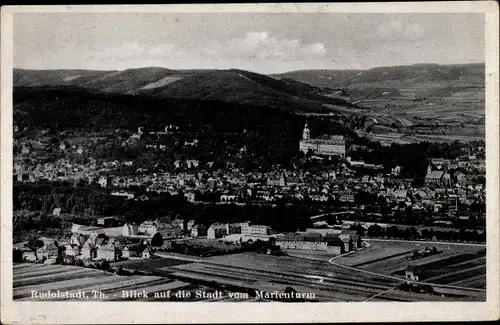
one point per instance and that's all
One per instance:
(457, 266)
(453, 269)
(143, 284)
(478, 281)
(458, 275)
(25, 291)
(332, 286)
(397, 265)
(26, 268)
(254, 276)
(147, 265)
(448, 263)
(172, 286)
(274, 263)
(128, 283)
(376, 250)
(384, 258)
(387, 256)
(74, 279)
(51, 278)
(300, 253)
(41, 270)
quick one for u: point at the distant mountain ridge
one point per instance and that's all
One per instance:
(233, 86)
(411, 74)
(304, 90)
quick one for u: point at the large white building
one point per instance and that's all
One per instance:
(255, 230)
(333, 145)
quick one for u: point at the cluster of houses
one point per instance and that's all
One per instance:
(95, 246)
(107, 243)
(233, 185)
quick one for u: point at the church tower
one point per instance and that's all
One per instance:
(305, 133)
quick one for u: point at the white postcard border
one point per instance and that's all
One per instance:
(198, 312)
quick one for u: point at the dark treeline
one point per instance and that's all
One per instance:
(393, 232)
(414, 158)
(85, 204)
(77, 109)
(271, 134)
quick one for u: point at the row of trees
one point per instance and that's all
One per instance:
(414, 158)
(412, 233)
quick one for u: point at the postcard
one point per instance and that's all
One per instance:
(245, 163)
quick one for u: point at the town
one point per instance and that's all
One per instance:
(347, 199)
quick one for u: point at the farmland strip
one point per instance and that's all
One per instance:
(445, 278)
(61, 285)
(55, 277)
(383, 258)
(40, 272)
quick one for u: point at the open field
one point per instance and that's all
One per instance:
(400, 138)
(313, 255)
(270, 273)
(454, 265)
(435, 112)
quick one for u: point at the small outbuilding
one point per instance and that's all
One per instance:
(413, 273)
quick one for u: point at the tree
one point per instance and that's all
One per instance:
(17, 256)
(427, 234)
(393, 232)
(375, 231)
(34, 243)
(105, 265)
(363, 198)
(414, 233)
(157, 240)
(359, 229)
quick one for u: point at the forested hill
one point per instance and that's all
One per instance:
(272, 133)
(65, 108)
(231, 86)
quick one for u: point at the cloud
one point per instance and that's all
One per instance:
(262, 45)
(253, 45)
(133, 50)
(164, 49)
(124, 50)
(399, 30)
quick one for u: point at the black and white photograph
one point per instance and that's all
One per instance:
(250, 156)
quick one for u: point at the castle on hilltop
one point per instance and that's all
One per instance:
(333, 145)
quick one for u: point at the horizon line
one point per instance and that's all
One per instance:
(227, 69)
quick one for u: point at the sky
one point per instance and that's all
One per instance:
(260, 42)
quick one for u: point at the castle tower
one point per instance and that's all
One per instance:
(306, 133)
